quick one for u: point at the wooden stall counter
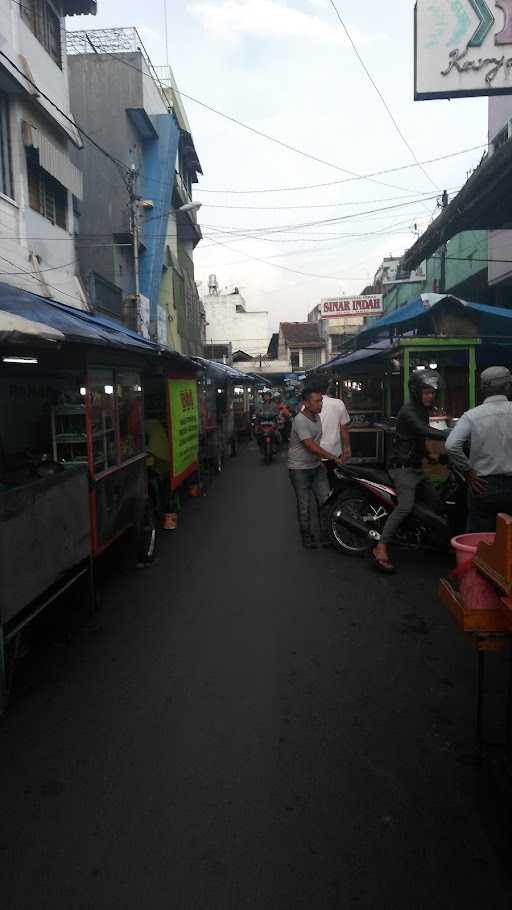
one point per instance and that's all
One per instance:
(494, 560)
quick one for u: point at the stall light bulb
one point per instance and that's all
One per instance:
(137, 388)
(433, 366)
(19, 359)
(219, 391)
(83, 391)
(420, 368)
(249, 390)
(109, 390)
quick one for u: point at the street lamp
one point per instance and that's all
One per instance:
(189, 207)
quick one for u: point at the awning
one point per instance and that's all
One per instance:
(72, 326)
(483, 203)
(222, 371)
(493, 322)
(357, 358)
(52, 159)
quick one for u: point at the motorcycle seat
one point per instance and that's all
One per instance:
(367, 472)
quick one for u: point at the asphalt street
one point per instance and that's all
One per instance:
(250, 725)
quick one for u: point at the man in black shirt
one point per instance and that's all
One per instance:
(405, 463)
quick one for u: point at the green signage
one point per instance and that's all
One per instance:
(184, 421)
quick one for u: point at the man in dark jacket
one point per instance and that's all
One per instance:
(405, 463)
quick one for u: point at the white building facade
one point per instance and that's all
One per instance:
(40, 186)
(228, 321)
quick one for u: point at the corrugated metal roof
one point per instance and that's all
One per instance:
(301, 333)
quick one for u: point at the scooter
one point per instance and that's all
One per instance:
(362, 498)
(267, 436)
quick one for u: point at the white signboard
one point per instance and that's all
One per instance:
(462, 48)
(340, 307)
(162, 333)
(143, 316)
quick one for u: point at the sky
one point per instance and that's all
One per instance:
(286, 68)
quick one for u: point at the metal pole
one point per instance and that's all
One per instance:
(480, 702)
(508, 736)
(406, 369)
(134, 219)
(3, 673)
(472, 377)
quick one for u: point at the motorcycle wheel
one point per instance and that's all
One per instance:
(146, 535)
(268, 451)
(354, 505)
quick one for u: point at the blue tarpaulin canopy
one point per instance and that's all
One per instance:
(373, 350)
(493, 321)
(223, 372)
(61, 324)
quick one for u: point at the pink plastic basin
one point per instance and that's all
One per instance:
(476, 592)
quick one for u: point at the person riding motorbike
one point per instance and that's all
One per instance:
(285, 417)
(267, 412)
(405, 461)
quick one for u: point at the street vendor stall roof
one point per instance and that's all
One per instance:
(377, 349)
(29, 320)
(222, 371)
(483, 203)
(494, 322)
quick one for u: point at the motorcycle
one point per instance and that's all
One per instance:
(267, 436)
(362, 498)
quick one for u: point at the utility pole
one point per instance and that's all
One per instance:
(444, 250)
(131, 181)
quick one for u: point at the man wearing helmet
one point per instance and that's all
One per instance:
(405, 462)
(488, 468)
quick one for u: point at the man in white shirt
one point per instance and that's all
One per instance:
(335, 420)
(488, 468)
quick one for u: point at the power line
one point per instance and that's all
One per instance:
(316, 186)
(52, 268)
(381, 96)
(253, 129)
(318, 205)
(119, 164)
(285, 228)
(33, 276)
(284, 268)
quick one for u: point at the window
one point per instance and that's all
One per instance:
(46, 195)
(295, 360)
(312, 359)
(5, 148)
(103, 419)
(116, 417)
(129, 403)
(44, 23)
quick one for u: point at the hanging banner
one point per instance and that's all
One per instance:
(336, 307)
(462, 48)
(184, 429)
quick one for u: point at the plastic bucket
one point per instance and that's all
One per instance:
(476, 592)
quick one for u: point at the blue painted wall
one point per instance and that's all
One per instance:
(159, 173)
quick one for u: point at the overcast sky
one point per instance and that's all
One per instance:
(286, 68)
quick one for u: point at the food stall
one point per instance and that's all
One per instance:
(72, 454)
(218, 426)
(171, 407)
(456, 338)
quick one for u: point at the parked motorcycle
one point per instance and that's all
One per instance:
(267, 436)
(363, 497)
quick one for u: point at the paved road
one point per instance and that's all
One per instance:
(249, 725)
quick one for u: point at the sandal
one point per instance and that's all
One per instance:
(382, 565)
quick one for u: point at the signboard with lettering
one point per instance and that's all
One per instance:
(184, 429)
(336, 307)
(462, 48)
